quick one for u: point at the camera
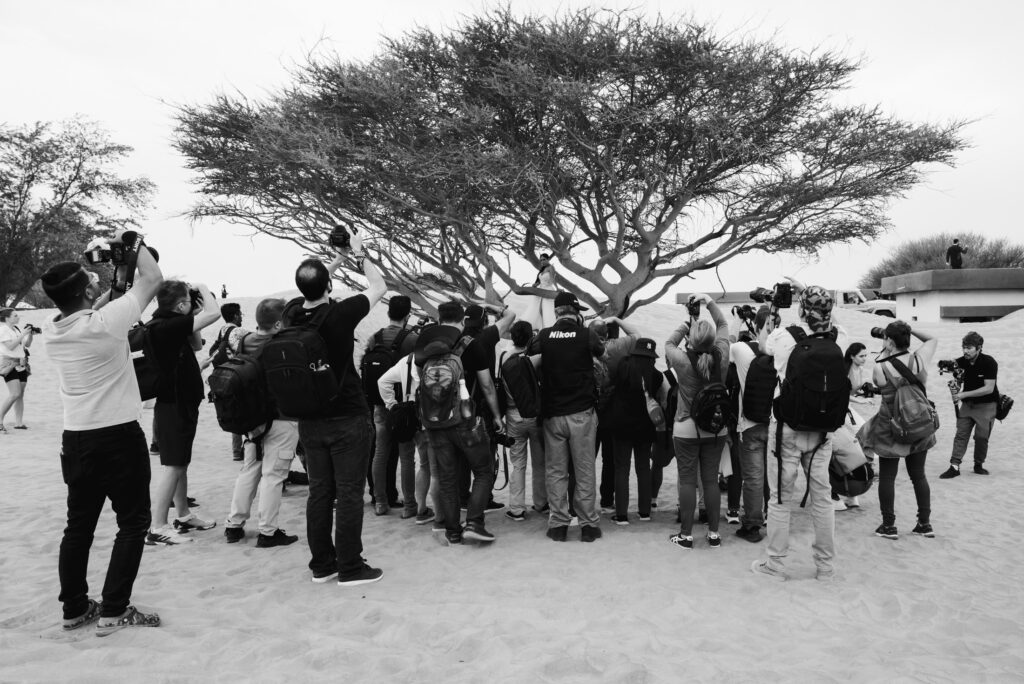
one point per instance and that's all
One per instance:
(194, 298)
(867, 390)
(97, 255)
(340, 237)
(744, 313)
(878, 333)
(35, 329)
(693, 307)
(503, 439)
(780, 297)
(948, 366)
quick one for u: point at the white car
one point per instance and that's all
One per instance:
(879, 307)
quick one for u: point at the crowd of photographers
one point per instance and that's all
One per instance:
(759, 401)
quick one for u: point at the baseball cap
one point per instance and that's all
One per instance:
(817, 304)
(645, 347)
(569, 299)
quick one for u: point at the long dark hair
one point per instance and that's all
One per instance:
(851, 351)
(635, 373)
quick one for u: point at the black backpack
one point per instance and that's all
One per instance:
(147, 371)
(710, 408)
(518, 377)
(238, 390)
(221, 349)
(298, 371)
(376, 361)
(759, 388)
(854, 483)
(816, 390)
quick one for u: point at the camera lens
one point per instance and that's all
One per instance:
(878, 333)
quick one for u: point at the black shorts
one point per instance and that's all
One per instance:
(16, 375)
(176, 426)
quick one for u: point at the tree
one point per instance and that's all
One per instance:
(58, 189)
(636, 151)
(929, 253)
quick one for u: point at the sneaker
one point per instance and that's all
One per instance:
(644, 518)
(324, 577)
(407, 514)
(542, 509)
(190, 523)
(761, 567)
(493, 505)
(589, 533)
(750, 533)
(838, 505)
(381, 509)
(952, 472)
(452, 538)
(620, 519)
(154, 448)
(714, 540)
(607, 510)
(825, 575)
(518, 517)
(851, 501)
(129, 618)
(887, 531)
(167, 536)
(702, 516)
(732, 516)
(365, 575)
(279, 538)
(234, 534)
(924, 529)
(980, 469)
(682, 540)
(425, 517)
(557, 533)
(91, 615)
(477, 532)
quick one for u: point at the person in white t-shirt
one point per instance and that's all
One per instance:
(103, 452)
(14, 343)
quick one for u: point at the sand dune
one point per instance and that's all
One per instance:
(629, 608)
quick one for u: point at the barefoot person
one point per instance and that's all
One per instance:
(103, 454)
(14, 344)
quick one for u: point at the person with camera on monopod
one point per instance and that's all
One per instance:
(897, 431)
(183, 310)
(14, 344)
(103, 453)
(978, 399)
(810, 405)
(310, 375)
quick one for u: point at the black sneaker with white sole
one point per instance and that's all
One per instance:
(887, 531)
(365, 575)
(477, 532)
(924, 529)
(279, 538)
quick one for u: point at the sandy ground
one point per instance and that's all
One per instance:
(629, 608)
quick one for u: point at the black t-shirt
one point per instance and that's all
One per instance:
(627, 414)
(954, 254)
(180, 379)
(567, 352)
(480, 355)
(975, 374)
(338, 331)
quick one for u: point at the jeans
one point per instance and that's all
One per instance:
(808, 452)
(752, 449)
(571, 437)
(337, 450)
(638, 451)
(237, 450)
(449, 447)
(267, 474)
(977, 417)
(381, 457)
(525, 432)
(705, 454)
(887, 469)
(605, 442)
(106, 463)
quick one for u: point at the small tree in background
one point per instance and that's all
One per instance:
(929, 253)
(634, 150)
(58, 189)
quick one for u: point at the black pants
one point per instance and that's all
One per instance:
(106, 463)
(887, 469)
(637, 451)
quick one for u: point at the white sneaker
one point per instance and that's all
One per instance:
(851, 501)
(838, 505)
(761, 567)
(168, 536)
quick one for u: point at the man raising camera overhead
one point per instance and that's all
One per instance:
(103, 454)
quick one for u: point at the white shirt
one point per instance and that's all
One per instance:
(398, 374)
(90, 352)
(9, 334)
(742, 355)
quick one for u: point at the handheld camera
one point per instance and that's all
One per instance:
(341, 238)
(693, 307)
(879, 334)
(780, 296)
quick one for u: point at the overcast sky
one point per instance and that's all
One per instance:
(124, 64)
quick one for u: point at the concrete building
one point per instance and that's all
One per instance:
(964, 295)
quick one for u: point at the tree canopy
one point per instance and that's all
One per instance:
(58, 188)
(929, 253)
(634, 150)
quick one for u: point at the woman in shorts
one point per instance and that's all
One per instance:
(14, 344)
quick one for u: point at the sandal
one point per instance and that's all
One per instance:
(130, 618)
(91, 614)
